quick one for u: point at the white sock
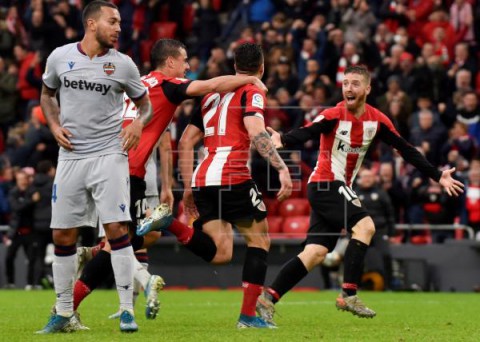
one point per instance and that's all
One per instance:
(141, 274)
(122, 264)
(63, 276)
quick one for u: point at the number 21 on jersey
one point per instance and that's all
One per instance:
(216, 116)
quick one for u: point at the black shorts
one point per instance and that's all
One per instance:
(334, 207)
(138, 200)
(231, 203)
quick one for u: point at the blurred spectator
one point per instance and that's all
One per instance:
(29, 93)
(396, 103)
(349, 57)
(378, 204)
(469, 114)
(429, 136)
(429, 65)
(472, 198)
(423, 102)
(193, 71)
(417, 13)
(460, 147)
(283, 77)
(290, 106)
(394, 14)
(358, 19)
(438, 208)
(7, 39)
(40, 193)
(32, 141)
(462, 60)
(20, 234)
(391, 184)
(438, 24)
(207, 28)
(8, 95)
(383, 38)
(457, 101)
(461, 19)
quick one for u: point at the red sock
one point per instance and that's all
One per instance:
(97, 248)
(80, 291)
(181, 231)
(250, 295)
(274, 294)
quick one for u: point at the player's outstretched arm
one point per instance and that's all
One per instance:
(264, 145)
(222, 84)
(131, 134)
(190, 137)
(166, 168)
(414, 157)
(51, 110)
(451, 185)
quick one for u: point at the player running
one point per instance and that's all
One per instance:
(221, 188)
(345, 132)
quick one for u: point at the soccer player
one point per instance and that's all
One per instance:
(345, 132)
(221, 188)
(167, 88)
(90, 78)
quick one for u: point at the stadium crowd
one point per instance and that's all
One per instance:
(423, 56)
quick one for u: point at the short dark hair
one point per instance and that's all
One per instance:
(164, 48)
(358, 69)
(248, 58)
(94, 8)
(44, 166)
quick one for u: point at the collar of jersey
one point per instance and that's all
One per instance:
(79, 47)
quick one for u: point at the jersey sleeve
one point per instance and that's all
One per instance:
(175, 89)
(134, 87)
(50, 77)
(388, 134)
(321, 124)
(253, 102)
(196, 118)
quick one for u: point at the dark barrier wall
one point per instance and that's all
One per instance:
(452, 266)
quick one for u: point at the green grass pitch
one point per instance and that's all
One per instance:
(211, 316)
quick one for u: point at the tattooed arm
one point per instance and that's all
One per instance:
(264, 145)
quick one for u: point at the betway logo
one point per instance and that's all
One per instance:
(85, 85)
(348, 149)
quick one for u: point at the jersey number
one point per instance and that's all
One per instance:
(347, 192)
(254, 197)
(222, 120)
(141, 206)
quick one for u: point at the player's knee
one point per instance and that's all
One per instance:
(313, 254)
(64, 237)
(364, 228)
(223, 256)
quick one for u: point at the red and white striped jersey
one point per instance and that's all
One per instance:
(166, 93)
(343, 149)
(345, 139)
(226, 141)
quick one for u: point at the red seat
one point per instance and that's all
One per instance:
(188, 17)
(275, 226)
(297, 191)
(272, 206)
(294, 207)
(295, 227)
(145, 48)
(166, 29)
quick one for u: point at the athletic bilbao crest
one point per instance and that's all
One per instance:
(109, 68)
